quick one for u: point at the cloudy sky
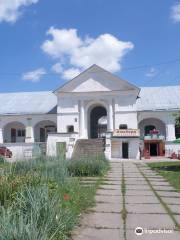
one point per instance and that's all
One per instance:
(44, 43)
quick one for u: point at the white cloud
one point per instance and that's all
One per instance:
(80, 53)
(10, 10)
(71, 73)
(64, 42)
(57, 68)
(175, 12)
(34, 76)
(152, 72)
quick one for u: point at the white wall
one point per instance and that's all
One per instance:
(116, 147)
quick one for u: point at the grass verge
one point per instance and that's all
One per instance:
(170, 171)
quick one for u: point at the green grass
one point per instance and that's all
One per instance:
(41, 199)
(88, 166)
(170, 171)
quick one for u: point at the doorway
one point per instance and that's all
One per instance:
(153, 149)
(13, 135)
(97, 130)
(125, 150)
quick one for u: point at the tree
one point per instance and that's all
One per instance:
(177, 120)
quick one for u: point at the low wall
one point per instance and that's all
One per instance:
(54, 138)
(20, 150)
(171, 147)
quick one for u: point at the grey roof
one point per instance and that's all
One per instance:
(27, 103)
(150, 98)
(159, 98)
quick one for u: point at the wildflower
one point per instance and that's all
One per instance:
(66, 197)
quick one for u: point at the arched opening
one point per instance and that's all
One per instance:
(42, 129)
(150, 124)
(153, 133)
(98, 122)
(14, 132)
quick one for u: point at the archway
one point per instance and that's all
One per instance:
(98, 122)
(148, 124)
(14, 132)
(42, 129)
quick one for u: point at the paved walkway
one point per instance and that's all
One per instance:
(131, 196)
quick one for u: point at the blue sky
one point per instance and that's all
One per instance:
(43, 43)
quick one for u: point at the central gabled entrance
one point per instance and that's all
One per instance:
(98, 122)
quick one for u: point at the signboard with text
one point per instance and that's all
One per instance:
(126, 133)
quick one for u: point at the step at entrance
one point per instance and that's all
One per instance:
(88, 147)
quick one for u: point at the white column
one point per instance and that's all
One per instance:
(170, 132)
(82, 120)
(29, 131)
(110, 117)
(1, 132)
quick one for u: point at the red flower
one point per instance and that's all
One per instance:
(66, 197)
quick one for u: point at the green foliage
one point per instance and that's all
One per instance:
(88, 166)
(177, 119)
(40, 200)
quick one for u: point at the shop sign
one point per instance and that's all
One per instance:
(126, 133)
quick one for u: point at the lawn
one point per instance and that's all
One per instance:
(170, 171)
(42, 199)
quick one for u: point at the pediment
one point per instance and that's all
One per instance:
(96, 79)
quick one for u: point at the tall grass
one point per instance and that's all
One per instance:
(40, 199)
(88, 166)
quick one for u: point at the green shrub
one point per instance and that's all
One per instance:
(88, 166)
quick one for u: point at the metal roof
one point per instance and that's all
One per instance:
(27, 103)
(159, 98)
(150, 98)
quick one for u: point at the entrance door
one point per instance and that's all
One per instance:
(42, 135)
(13, 135)
(153, 149)
(125, 150)
(61, 150)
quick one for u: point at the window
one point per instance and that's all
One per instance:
(123, 126)
(21, 133)
(148, 128)
(70, 129)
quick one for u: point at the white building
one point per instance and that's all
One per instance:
(95, 104)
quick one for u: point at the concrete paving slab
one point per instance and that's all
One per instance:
(106, 207)
(149, 221)
(168, 194)
(98, 234)
(108, 186)
(171, 200)
(102, 220)
(111, 182)
(163, 188)
(138, 187)
(108, 199)
(145, 208)
(109, 192)
(130, 192)
(174, 208)
(158, 183)
(141, 199)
